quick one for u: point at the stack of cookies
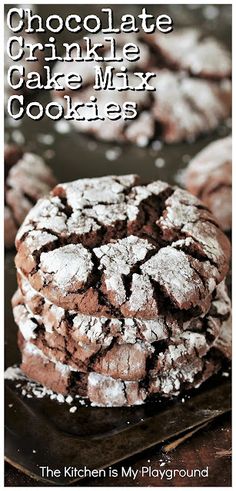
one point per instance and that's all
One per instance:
(121, 291)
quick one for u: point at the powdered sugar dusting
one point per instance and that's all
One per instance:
(26, 325)
(141, 292)
(117, 260)
(171, 269)
(35, 240)
(87, 192)
(176, 114)
(124, 230)
(208, 161)
(154, 330)
(14, 373)
(105, 391)
(67, 265)
(222, 302)
(194, 52)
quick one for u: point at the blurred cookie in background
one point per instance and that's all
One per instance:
(209, 177)
(192, 96)
(27, 178)
(190, 50)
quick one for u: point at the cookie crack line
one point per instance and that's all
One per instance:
(140, 325)
(163, 366)
(144, 229)
(144, 208)
(193, 254)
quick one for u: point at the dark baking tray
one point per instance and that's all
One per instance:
(98, 437)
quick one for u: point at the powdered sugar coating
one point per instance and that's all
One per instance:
(48, 213)
(179, 210)
(224, 341)
(67, 267)
(26, 325)
(221, 301)
(192, 105)
(187, 49)
(111, 254)
(27, 178)
(35, 240)
(142, 293)
(213, 157)
(105, 391)
(184, 362)
(90, 192)
(189, 98)
(117, 260)
(86, 329)
(31, 349)
(179, 364)
(141, 130)
(31, 175)
(93, 202)
(123, 348)
(14, 373)
(171, 269)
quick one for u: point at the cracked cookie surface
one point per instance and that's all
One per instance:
(186, 362)
(127, 348)
(114, 247)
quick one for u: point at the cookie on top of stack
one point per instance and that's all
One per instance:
(121, 291)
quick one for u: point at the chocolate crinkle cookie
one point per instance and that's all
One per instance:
(115, 247)
(209, 177)
(190, 50)
(193, 89)
(115, 362)
(121, 291)
(27, 178)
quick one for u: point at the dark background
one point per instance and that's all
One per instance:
(72, 156)
(76, 155)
